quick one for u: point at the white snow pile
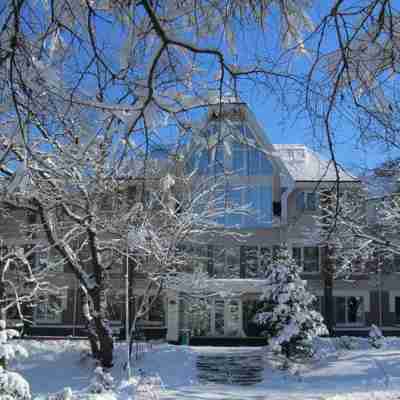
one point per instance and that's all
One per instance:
(376, 337)
(56, 370)
(12, 385)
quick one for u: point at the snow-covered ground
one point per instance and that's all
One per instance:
(337, 373)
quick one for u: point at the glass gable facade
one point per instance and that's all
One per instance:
(236, 153)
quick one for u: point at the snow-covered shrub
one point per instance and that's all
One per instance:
(287, 313)
(12, 385)
(65, 394)
(348, 343)
(102, 381)
(376, 337)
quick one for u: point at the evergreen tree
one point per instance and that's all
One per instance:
(289, 319)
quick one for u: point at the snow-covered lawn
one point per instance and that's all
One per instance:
(337, 373)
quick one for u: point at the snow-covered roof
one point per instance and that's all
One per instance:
(304, 164)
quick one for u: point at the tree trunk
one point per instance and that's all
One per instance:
(102, 327)
(106, 342)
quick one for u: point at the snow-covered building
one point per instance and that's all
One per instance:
(279, 183)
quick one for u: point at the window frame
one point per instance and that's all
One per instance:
(306, 194)
(347, 297)
(302, 265)
(57, 317)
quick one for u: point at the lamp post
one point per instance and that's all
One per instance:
(128, 361)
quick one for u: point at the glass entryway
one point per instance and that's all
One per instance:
(216, 316)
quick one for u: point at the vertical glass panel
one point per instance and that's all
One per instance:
(300, 201)
(252, 201)
(203, 161)
(219, 202)
(254, 161)
(234, 200)
(238, 154)
(355, 309)
(340, 310)
(265, 205)
(219, 159)
(219, 316)
(266, 165)
(311, 259)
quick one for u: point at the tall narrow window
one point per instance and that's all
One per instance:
(311, 259)
(297, 255)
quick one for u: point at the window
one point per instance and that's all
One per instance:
(306, 201)
(115, 306)
(307, 257)
(311, 259)
(50, 260)
(349, 310)
(255, 261)
(157, 313)
(49, 310)
(397, 309)
(226, 262)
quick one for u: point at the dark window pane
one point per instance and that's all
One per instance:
(250, 261)
(355, 310)
(340, 310)
(297, 255)
(311, 259)
(397, 309)
(311, 201)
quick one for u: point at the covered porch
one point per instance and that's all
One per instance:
(224, 310)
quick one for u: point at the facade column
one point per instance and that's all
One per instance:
(173, 316)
